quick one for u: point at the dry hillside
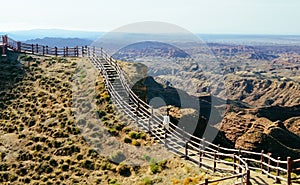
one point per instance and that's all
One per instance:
(42, 141)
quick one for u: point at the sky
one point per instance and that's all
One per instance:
(197, 16)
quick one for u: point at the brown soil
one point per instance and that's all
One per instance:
(41, 141)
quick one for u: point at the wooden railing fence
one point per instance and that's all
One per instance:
(42, 50)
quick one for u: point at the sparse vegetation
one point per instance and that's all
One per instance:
(37, 122)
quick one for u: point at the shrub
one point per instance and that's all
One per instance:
(104, 118)
(106, 166)
(109, 109)
(101, 113)
(123, 170)
(126, 130)
(136, 143)
(65, 167)
(133, 135)
(48, 169)
(37, 147)
(147, 181)
(154, 168)
(22, 172)
(2, 155)
(119, 127)
(88, 164)
(79, 157)
(113, 181)
(127, 140)
(31, 122)
(53, 163)
(142, 136)
(92, 152)
(26, 58)
(113, 131)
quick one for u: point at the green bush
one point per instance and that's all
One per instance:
(136, 143)
(92, 152)
(79, 157)
(113, 181)
(88, 165)
(65, 167)
(127, 140)
(147, 181)
(101, 113)
(154, 168)
(113, 131)
(133, 135)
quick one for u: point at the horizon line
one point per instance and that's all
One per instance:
(197, 33)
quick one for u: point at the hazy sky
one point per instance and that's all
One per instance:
(198, 16)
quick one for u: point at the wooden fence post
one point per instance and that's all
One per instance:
(277, 170)
(240, 169)
(19, 46)
(55, 51)
(76, 51)
(200, 156)
(269, 163)
(289, 170)
(82, 51)
(67, 51)
(166, 136)
(218, 151)
(186, 150)
(137, 113)
(183, 134)
(5, 43)
(4, 50)
(43, 50)
(32, 49)
(261, 161)
(150, 119)
(234, 163)
(248, 177)
(3, 39)
(37, 48)
(215, 163)
(206, 181)
(6, 39)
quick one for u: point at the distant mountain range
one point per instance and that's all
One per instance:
(142, 50)
(60, 42)
(42, 33)
(25, 35)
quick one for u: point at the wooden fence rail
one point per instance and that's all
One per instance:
(37, 49)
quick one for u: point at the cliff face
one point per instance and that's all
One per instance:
(264, 92)
(252, 133)
(250, 121)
